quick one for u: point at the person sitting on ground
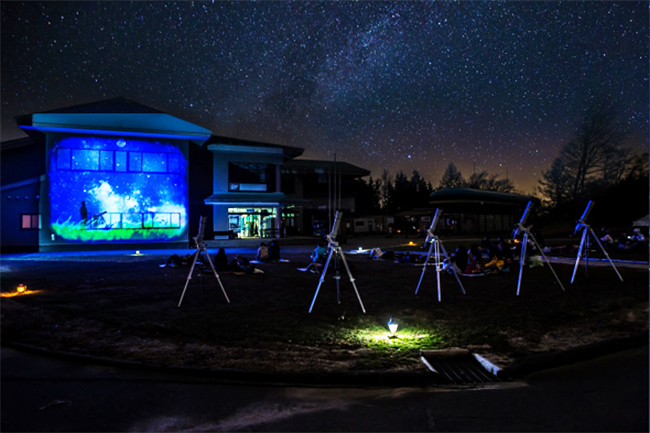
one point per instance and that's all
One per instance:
(495, 263)
(459, 259)
(221, 261)
(486, 244)
(318, 258)
(475, 260)
(623, 241)
(242, 264)
(506, 254)
(175, 261)
(637, 240)
(274, 251)
(262, 253)
(606, 239)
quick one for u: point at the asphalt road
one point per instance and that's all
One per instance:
(39, 393)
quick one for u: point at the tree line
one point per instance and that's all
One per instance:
(593, 161)
(393, 194)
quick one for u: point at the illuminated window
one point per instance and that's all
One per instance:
(30, 222)
(117, 161)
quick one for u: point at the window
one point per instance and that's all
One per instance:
(250, 176)
(30, 221)
(117, 161)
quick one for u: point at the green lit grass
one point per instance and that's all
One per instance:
(78, 232)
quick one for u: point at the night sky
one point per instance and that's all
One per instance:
(496, 86)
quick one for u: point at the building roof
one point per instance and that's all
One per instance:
(459, 195)
(311, 165)
(246, 199)
(118, 116)
(232, 143)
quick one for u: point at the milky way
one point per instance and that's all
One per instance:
(496, 86)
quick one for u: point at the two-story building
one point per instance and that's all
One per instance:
(118, 174)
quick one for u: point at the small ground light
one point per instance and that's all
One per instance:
(392, 326)
(21, 288)
(137, 253)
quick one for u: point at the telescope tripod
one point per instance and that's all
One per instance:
(522, 257)
(200, 248)
(336, 252)
(584, 248)
(437, 246)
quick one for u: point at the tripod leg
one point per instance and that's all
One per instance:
(586, 254)
(452, 267)
(347, 268)
(437, 260)
(189, 276)
(207, 256)
(522, 259)
(322, 277)
(337, 277)
(582, 245)
(547, 262)
(426, 262)
(605, 252)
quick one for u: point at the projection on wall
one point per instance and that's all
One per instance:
(117, 190)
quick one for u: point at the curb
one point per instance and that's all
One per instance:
(515, 370)
(522, 367)
(365, 378)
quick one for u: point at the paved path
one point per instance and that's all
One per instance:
(43, 394)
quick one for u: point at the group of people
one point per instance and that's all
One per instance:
(221, 263)
(486, 258)
(636, 241)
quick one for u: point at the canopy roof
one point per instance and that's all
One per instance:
(465, 195)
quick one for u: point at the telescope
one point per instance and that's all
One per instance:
(434, 224)
(581, 222)
(519, 228)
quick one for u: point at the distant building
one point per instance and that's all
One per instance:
(467, 210)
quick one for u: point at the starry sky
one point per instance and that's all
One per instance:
(496, 86)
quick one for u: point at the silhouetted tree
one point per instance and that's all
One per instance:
(420, 189)
(586, 155)
(555, 184)
(451, 178)
(367, 196)
(386, 191)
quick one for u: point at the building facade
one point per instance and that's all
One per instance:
(116, 174)
(113, 174)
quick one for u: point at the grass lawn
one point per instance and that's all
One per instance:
(126, 307)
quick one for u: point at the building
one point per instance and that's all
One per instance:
(113, 173)
(247, 197)
(117, 174)
(467, 210)
(314, 189)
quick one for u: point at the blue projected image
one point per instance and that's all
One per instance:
(117, 189)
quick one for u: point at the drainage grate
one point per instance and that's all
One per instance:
(458, 367)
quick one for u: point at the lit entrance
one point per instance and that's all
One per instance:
(252, 222)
